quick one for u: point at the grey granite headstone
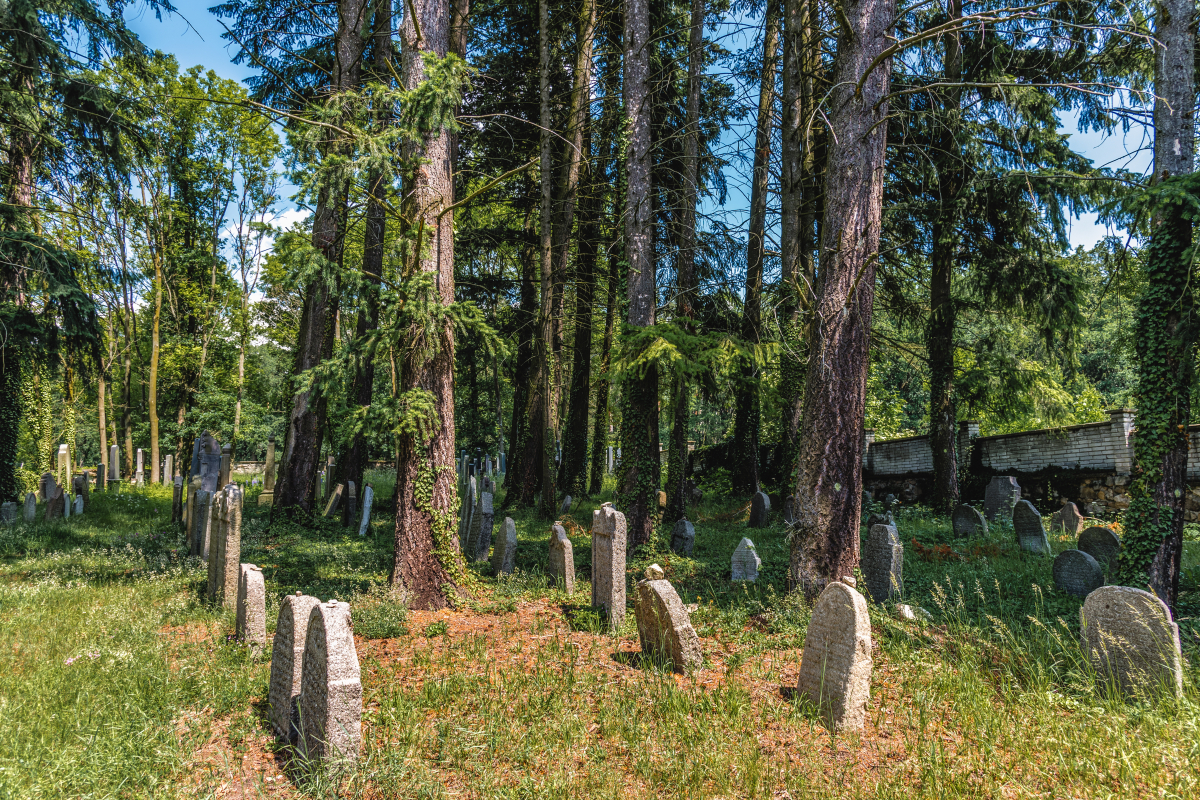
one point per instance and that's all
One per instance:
(465, 514)
(335, 500)
(201, 524)
(56, 502)
(486, 518)
(609, 536)
(745, 562)
(100, 472)
(351, 502)
(1067, 520)
(251, 605)
(78, 509)
(330, 688)
(505, 551)
(835, 667)
(114, 464)
(789, 510)
(168, 473)
(1102, 544)
(29, 512)
(368, 498)
(287, 658)
(8, 512)
(177, 500)
(1031, 534)
(683, 537)
(664, 627)
(883, 563)
(969, 522)
(1131, 641)
(760, 509)
(562, 559)
(565, 508)
(1000, 497)
(1077, 573)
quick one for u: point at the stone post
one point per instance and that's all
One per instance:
(608, 563)
(1121, 439)
(139, 474)
(226, 466)
(868, 440)
(114, 465)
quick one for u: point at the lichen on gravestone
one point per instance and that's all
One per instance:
(287, 658)
(835, 666)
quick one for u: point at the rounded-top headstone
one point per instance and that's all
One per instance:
(287, 658)
(1100, 543)
(1000, 497)
(654, 573)
(760, 509)
(882, 563)
(1031, 534)
(835, 667)
(330, 686)
(664, 626)
(1067, 520)
(683, 537)
(1131, 641)
(745, 563)
(969, 522)
(565, 508)
(1077, 573)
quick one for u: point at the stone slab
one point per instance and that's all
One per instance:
(505, 552)
(760, 510)
(562, 560)
(1077, 573)
(251, 605)
(1001, 495)
(609, 538)
(683, 538)
(330, 688)
(1067, 520)
(287, 658)
(882, 563)
(664, 627)
(1031, 534)
(835, 667)
(1102, 544)
(745, 563)
(969, 522)
(1132, 642)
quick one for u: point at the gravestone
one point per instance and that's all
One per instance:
(351, 503)
(56, 501)
(1067, 520)
(745, 562)
(189, 510)
(1000, 497)
(368, 497)
(330, 687)
(8, 512)
(608, 563)
(67, 505)
(63, 471)
(1027, 523)
(789, 510)
(885, 518)
(251, 605)
(208, 458)
(194, 467)
(100, 483)
(888, 502)
(331, 463)
(335, 500)
(683, 537)
(177, 500)
(79, 486)
(139, 474)
(225, 549)
(969, 522)
(883, 563)
(78, 509)
(226, 466)
(664, 627)
(29, 512)
(1102, 544)
(487, 523)
(1131, 641)
(267, 496)
(114, 465)
(562, 559)
(662, 500)
(1077, 573)
(168, 473)
(199, 525)
(287, 659)
(565, 508)
(835, 667)
(505, 551)
(760, 509)
(464, 515)
(46, 485)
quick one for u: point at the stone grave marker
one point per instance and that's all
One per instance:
(1067, 520)
(79, 485)
(46, 485)
(888, 502)
(835, 667)
(226, 466)
(883, 563)
(562, 559)
(226, 551)
(760, 509)
(1102, 544)
(29, 512)
(267, 496)
(485, 520)
(114, 465)
(177, 500)
(330, 687)
(63, 471)
(1131, 641)
(8, 512)
(1077, 573)
(505, 551)
(789, 510)
(683, 538)
(745, 562)
(189, 510)
(664, 627)
(139, 474)
(464, 515)
(662, 500)
(368, 497)
(56, 501)
(1000, 497)
(287, 658)
(885, 518)
(969, 522)
(335, 500)
(78, 509)
(251, 605)
(565, 508)
(609, 537)
(168, 474)
(1031, 534)
(330, 465)
(199, 526)
(68, 505)
(351, 503)
(100, 482)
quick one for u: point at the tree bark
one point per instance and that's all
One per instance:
(152, 404)
(825, 538)
(639, 417)
(426, 552)
(524, 372)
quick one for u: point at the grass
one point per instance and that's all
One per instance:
(117, 680)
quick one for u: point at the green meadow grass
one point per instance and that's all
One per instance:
(116, 677)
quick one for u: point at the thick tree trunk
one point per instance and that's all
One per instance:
(600, 423)
(524, 371)
(542, 422)
(152, 404)
(746, 421)
(825, 537)
(639, 417)
(426, 554)
(1166, 332)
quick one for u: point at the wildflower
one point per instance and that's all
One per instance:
(70, 660)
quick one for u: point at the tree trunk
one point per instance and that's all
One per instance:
(542, 427)
(677, 473)
(939, 335)
(825, 537)
(747, 414)
(639, 416)
(1152, 545)
(152, 404)
(600, 425)
(426, 557)
(524, 372)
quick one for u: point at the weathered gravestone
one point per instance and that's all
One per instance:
(330, 465)
(760, 509)
(683, 537)
(330, 687)
(562, 559)
(662, 500)
(56, 501)
(287, 659)
(745, 562)
(44, 485)
(335, 500)
(177, 500)
(29, 512)
(1102, 544)
(226, 554)
(8, 512)
(368, 498)
(139, 474)
(200, 524)
(664, 627)
(1067, 520)
(1000, 497)
(226, 466)
(969, 522)
(1077, 573)
(835, 668)
(1031, 534)
(789, 510)
(351, 512)
(100, 473)
(464, 515)
(79, 485)
(267, 496)
(114, 465)
(63, 466)
(168, 473)
(207, 462)
(1131, 641)
(505, 551)
(885, 518)
(78, 509)
(483, 522)
(883, 563)
(565, 508)
(608, 563)
(67, 505)
(189, 510)
(251, 605)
